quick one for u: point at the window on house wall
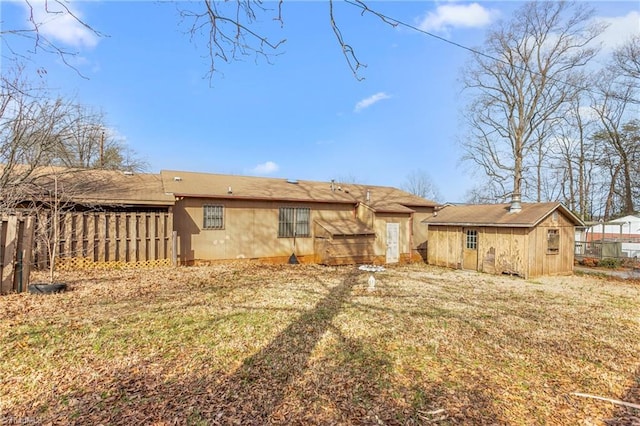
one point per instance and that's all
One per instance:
(213, 217)
(553, 241)
(293, 222)
(472, 239)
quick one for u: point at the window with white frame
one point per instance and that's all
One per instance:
(472, 239)
(293, 222)
(213, 217)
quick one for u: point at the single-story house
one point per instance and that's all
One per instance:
(223, 217)
(525, 239)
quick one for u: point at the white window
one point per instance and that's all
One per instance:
(472, 239)
(213, 217)
(293, 222)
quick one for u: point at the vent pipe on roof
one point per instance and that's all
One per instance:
(229, 191)
(333, 185)
(515, 203)
(368, 196)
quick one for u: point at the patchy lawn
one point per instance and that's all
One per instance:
(293, 344)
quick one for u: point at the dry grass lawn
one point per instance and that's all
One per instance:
(293, 344)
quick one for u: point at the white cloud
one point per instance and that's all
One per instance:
(447, 16)
(265, 168)
(59, 25)
(367, 102)
(620, 29)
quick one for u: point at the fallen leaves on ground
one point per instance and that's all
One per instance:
(244, 343)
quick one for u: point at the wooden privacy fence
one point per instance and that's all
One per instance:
(107, 240)
(16, 239)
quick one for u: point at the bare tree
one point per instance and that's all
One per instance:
(31, 125)
(575, 155)
(37, 129)
(90, 143)
(230, 30)
(519, 83)
(621, 150)
(38, 13)
(419, 182)
(627, 59)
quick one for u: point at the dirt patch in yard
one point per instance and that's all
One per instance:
(304, 344)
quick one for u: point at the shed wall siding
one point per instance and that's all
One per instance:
(445, 246)
(543, 263)
(503, 250)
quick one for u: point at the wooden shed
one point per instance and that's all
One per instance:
(530, 240)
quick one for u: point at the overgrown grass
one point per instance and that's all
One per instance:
(250, 344)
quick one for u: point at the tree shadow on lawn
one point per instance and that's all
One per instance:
(353, 384)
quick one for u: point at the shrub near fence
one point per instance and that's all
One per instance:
(16, 240)
(108, 240)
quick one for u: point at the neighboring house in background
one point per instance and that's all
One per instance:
(530, 240)
(624, 231)
(224, 217)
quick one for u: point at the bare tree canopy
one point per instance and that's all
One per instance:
(627, 58)
(38, 129)
(519, 84)
(419, 182)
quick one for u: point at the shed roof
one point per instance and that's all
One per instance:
(208, 185)
(498, 215)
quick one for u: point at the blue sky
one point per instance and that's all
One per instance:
(304, 116)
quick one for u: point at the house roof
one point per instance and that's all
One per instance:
(208, 185)
(345, 227)
(498, 215)
(97, 186)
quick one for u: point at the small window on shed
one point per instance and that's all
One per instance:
(472, 239)
(213, 217)
(553, 241)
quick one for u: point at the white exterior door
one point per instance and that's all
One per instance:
(393, 253)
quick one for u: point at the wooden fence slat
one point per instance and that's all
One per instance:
(101, 236)
(131, 237)
(142, 237)
(121, 234)
(112, 236)
(162, 235)
(153, 237)
(66, 234)
(90, 236)
(27, 244)
(171, 240)
(8, 254)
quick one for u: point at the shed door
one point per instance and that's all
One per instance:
(393, 231)
(470, 249)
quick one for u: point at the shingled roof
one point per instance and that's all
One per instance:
(498, 215)
(208, 185)
(97, 186)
